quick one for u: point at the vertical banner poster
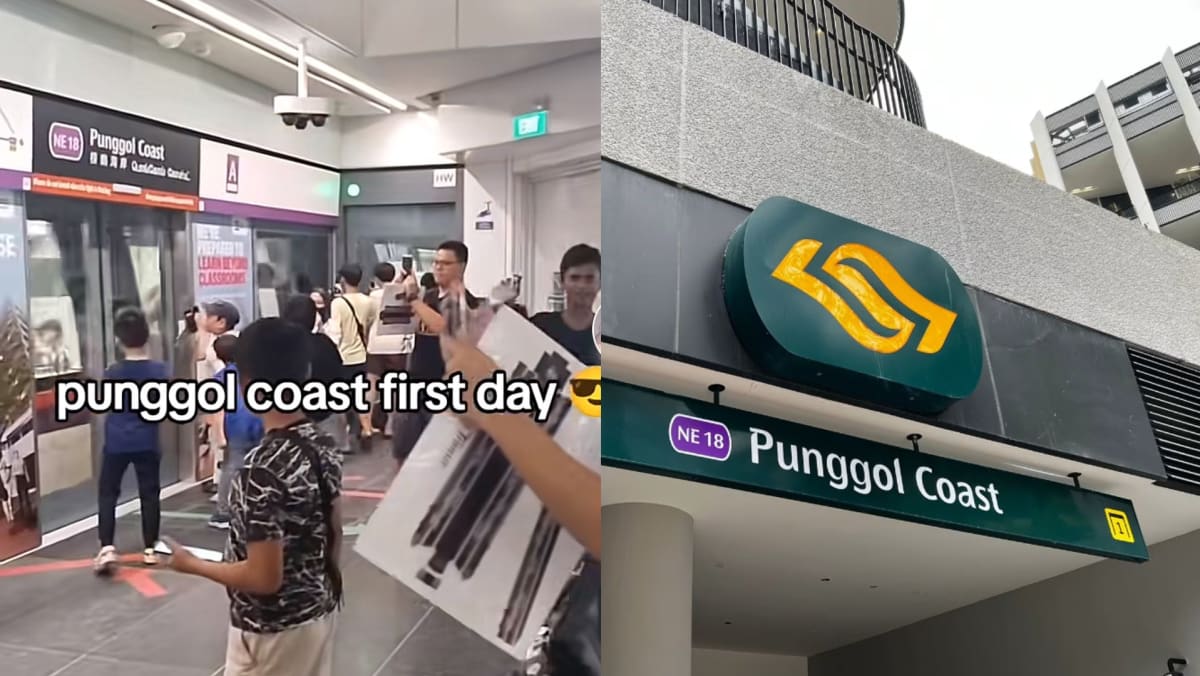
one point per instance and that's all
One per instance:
(222, 255)
(19, 530)
(459, 526)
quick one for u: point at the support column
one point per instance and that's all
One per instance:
(1044, 153)
(646, 592)
(1183, 93)
(1125, 162)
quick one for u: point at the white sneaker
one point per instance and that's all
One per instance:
(105, 561)
(150, 557)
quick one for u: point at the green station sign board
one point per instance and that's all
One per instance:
(821, 299)
(649, 431)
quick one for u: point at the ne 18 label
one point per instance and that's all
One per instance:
(700, 437)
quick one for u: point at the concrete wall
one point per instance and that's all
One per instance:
(698, 109)
(706, 662)
(1110, 619)
(51, 47)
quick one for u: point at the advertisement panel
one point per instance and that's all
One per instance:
(19, 530)
(241, 182)
(223, 255)
(16, 142)
(84, 152)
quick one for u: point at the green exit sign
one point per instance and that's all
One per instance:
(530, 125)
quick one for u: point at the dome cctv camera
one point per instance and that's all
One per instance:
(298, 111)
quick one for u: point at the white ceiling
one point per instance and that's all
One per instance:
(406, 48)
(760, 560)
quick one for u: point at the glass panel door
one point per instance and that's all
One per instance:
(136, 249)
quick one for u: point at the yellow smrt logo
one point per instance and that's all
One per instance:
(792, 270)
(1118, 525)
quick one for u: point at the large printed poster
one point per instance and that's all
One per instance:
(19, 531)
(460, 528)
(223, 255)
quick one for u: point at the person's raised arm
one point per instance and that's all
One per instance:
(433, 321)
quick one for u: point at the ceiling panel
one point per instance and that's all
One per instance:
(340, 22)
(494, 23)
(409, 27)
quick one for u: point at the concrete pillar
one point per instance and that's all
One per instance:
(1044, 152)
(1187, 102)
(646, 592)
(1125, 162)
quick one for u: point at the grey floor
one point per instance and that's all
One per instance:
(65, 621)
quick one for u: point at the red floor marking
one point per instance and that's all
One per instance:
(36, 568)
(371, 495)
(139, 579)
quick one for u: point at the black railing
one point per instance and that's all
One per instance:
(817, 39)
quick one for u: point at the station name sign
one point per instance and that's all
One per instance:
(653, 432)
(80, 151)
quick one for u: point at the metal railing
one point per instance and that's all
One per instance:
(817, 39)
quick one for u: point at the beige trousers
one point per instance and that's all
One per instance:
(306, 650)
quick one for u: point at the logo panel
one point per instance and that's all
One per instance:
(818, 298)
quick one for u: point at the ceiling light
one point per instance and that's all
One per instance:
(249, 32)
(241, 42)
(1187, 170)
(169, 36)
(1076, 191)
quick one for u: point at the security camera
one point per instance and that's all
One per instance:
(299, 111)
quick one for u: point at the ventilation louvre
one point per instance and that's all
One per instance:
(1171, 393)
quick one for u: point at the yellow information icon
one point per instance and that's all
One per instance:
(585, 391)
(1118, 525)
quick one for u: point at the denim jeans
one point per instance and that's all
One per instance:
(234, 461)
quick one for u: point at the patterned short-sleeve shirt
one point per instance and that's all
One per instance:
(276, 497)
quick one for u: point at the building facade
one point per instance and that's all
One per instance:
(828, 335)
(1132, 148)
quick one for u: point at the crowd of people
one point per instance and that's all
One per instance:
(279, 489)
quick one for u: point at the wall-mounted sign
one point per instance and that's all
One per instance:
(653, 432)
(16, 139)
(83, 152)
(531, 125)
(239, 182)
(484, 220)
(445, 178)
(231, 173)
(821, 299)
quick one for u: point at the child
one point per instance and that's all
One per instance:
(129, 440)
(236, 432)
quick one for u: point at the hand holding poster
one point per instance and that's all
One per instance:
(462, 529)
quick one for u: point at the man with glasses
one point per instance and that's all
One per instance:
(426, 362)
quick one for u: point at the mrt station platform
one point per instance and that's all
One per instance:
(57, 618)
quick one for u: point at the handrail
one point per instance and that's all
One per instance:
(817, 39)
